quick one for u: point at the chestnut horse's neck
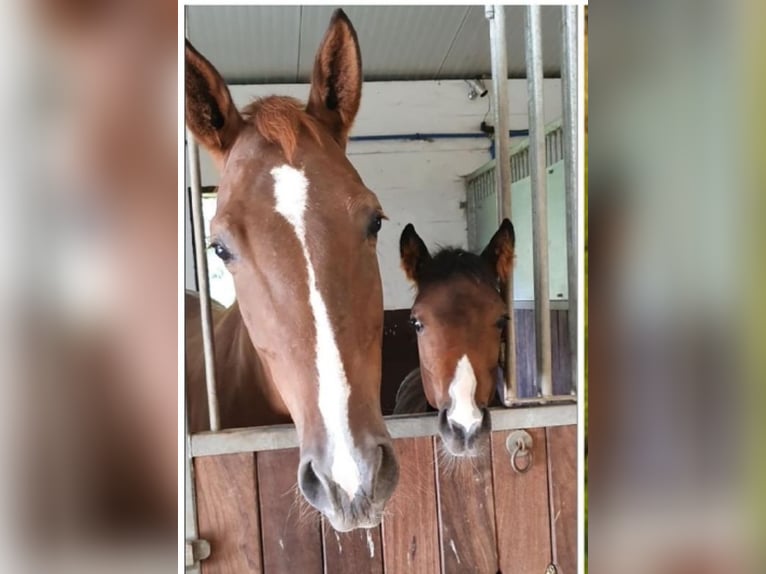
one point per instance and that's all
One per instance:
(247, 395)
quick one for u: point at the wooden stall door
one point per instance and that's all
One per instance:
(352, 552)
(227, 507)
(466, 513)
(562, 461)
(410, 528)
(521, 507)
(447, 515)
(291, 529)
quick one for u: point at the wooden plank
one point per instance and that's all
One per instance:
(410, 528)
(291, 533)
(521, 508)
(562, 453)
(561, 359)
(355, 552)
(466, 516)
(227, 495)
(526, 370)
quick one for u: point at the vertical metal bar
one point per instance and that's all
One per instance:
(496, 16)
(534, 53)
(206, 314)
(190, 510)
(569, 95)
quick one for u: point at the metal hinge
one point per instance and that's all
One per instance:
(196, 551)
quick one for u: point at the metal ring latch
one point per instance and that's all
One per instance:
(519, 446)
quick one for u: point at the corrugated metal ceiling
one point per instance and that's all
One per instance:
(276, 44)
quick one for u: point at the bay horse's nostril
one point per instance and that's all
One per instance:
(448, 426)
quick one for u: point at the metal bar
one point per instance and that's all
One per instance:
(190, 507)
(200, 253)
(496, 16)
(534, 54)
(569, 95)
(561, 412)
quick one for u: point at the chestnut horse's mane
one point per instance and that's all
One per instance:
(280, 119)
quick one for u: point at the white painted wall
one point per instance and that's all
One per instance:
(416, 182)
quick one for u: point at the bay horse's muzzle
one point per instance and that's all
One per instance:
(460, 441)
(379, 473)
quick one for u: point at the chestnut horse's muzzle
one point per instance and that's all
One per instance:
(379, 473)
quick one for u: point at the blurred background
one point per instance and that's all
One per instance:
(673, 216)
(90, 281)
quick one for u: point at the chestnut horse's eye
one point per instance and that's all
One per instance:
(375, 225)
(417, 324)
(502, 322)
(221, 251)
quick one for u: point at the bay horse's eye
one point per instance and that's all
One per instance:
(417, 324)
(375, 225)
(221, 251)
(502, 322)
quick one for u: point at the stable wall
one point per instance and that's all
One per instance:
(417, 182)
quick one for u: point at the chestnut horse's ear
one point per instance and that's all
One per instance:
(413, 251)
(336, 83)
(499, 253)
(210, 111)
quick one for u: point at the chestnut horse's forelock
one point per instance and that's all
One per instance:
(280, 119)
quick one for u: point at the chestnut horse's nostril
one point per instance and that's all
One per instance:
(313, 486)
(386, 472)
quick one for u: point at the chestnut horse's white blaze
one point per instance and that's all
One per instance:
(462, 389)
(291, 194)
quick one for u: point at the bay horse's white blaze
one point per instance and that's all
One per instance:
(463, 410)
(291, 194)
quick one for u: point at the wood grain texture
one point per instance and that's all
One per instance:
(521, 508)
(291, 533)
(466, 513)
(526, 369)
(410, 528)
(355, 552)
(562, 453)
(227, 507)
(561, 359)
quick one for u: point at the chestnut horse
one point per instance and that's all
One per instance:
(298, 229)
(459, 316)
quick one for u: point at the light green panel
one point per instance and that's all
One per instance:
(521, 209)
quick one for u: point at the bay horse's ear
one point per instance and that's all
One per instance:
(413, 251)
(210, 111)
(499, 253)
(336, 83)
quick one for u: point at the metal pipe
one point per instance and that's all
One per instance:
(496, 16)
(569, 95)
(200, 253)
(433, 136)
(190, 504)
(557, 411)
(534, 54)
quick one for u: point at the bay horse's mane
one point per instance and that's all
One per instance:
(449, 262)
(280, 119)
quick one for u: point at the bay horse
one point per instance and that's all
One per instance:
(297, 229)
(459, 315)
